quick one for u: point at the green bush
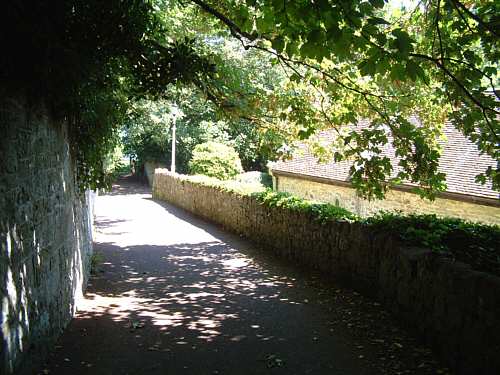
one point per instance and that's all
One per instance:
(322, 212)
(232, 186)
(439, 233)
(215, 160)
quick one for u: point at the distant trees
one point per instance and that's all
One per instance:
(146, 134)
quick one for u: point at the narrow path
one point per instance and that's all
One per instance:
(176, 295)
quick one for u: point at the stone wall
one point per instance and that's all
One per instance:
(149, 170)
(346, 197)
(45, 234)
(453, 308)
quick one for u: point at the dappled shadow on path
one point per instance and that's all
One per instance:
(108, 223)
(206, 308)
(194, 286)
(176, 295)
(205, 304)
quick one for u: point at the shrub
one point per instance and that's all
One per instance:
(215, 160)
(323, 212)
(233, 186)
(472, 243)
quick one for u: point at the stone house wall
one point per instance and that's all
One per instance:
(345, 196)
(455, 309)
(45, 234)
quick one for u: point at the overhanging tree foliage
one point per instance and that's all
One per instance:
(85, 60)
(436, 61)
(342, 61)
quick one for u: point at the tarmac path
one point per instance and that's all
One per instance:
(176, 295)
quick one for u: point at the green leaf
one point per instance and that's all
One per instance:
(398, 72)
(403, 42)
(377, 3)
(278, 44)
(422, 75)
(382, 66)
(377, 21)
(367, 67)
(291, 48)
(305, 133)
(316, 36)
(370, 29)
(365, 8)
(277, 5)
(309, 50)
(411, 69)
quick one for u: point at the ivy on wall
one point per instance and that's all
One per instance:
(85, 60)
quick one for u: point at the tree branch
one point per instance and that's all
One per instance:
(476, 18)
(235, 29)
(240, 34)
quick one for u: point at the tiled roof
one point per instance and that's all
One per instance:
(460, 161)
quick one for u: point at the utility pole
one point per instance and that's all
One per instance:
(172, 167)
(175, 114)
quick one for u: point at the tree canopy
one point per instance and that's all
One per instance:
(320, 64)
(436, 61)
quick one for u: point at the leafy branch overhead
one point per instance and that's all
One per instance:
(375, 73)
(87, 60)
(437, 61)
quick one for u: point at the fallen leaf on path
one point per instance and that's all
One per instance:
(136, 324)
(274, 361)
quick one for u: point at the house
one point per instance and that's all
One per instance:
(305, 177)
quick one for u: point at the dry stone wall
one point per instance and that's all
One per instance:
(452, 307)
(45, 234)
